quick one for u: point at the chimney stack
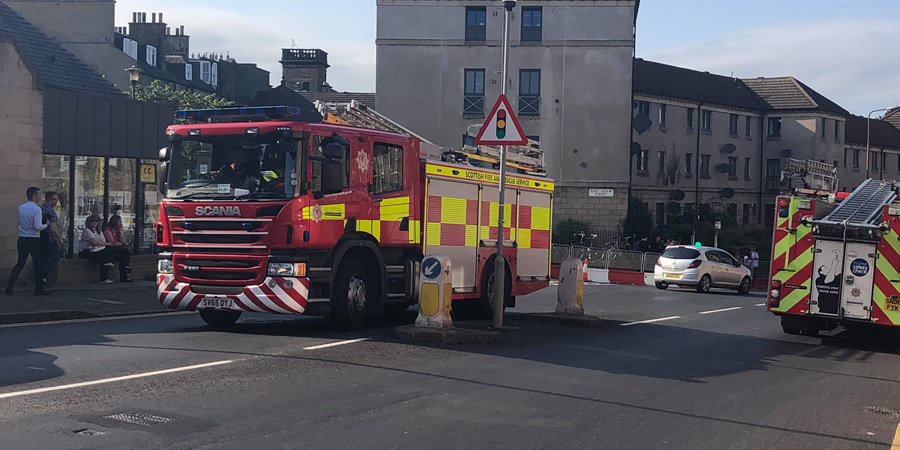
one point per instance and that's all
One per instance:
(153, 17)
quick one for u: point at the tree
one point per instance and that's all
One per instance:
(638, 221)
(158, 92)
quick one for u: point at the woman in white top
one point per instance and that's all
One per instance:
(94, 246)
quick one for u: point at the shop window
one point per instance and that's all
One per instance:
(89, 181)
(122, 187)
(388, 168)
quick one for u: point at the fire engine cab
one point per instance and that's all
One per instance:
(836, 257)
(263, 213)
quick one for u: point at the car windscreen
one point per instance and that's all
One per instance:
(680, 253)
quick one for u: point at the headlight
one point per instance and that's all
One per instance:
(165, 266)
(287, 269)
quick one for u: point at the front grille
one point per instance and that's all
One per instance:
(232, 264)
(236, 238)
(225, 225)
(222, 276)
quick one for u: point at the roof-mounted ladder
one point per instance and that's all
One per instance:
(864, 205)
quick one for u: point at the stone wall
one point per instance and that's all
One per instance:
(21, 135)
(572, 200)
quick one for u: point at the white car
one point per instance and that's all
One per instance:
(700, 267)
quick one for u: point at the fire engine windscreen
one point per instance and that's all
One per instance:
(247, 166)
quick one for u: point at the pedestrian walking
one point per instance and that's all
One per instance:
(51, 199)
(31, 223)
(94, 247)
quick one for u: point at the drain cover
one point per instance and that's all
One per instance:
(87, 432)
(139, 418)
(884, 411)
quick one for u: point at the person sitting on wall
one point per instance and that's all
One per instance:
(115, 236)
(94, 247)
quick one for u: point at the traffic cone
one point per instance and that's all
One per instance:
(585, 269)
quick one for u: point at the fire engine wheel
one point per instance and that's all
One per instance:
(349, 295)
(487, 291)
(744, 288)
(704, 284)
(219, 319)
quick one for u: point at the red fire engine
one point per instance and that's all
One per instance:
(262, 213)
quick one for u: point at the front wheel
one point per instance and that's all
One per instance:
(704, 284)
(744, 288)
(488, 288)
(219, 319)
(661, 285)
(350, 295)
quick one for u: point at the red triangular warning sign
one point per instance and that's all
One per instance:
(501, 127)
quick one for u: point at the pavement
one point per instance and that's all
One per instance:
(79, 301)
(667, 369)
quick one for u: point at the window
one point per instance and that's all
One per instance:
(387, 175)
(747, 126)
(532, 18)
(874, 160)
(317, 160)
(660, 214)
(745, 214)
(688, 164)
(188, 72)
(713, 256)
(644, 108)
(732, 167)
(773, 173)
(835, 164)
(473, 99)
(898, 163)
(822, 125)
(662, 115)
(733, 125)
(642, 161)
(773, 128)
(704, 166)
(476, 19)
(690, 118)
(747, 169)
(661, 161)
(706, 121)
(130, 47)
(214, 78)
(205, 71)
(151, 55)
(530, 92)
(837, 131)
(856, 159)
(846, 150)
(305, 86)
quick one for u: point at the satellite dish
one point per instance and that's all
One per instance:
(727, 192)
(728, 148)
(635, 148)
(723, 168)
(641, 122)
(677, 195)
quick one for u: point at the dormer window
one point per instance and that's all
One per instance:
(188, 72)
(151, 55)
(130, 48)
(205, 71)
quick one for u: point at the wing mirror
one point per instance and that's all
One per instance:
(163, 154)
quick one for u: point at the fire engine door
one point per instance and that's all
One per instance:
(859, 278)
(828, 264)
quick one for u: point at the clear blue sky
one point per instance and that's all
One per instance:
(845, 49)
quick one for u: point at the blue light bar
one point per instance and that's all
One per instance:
(267, 111)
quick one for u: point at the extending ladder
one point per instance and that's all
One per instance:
(865, 204)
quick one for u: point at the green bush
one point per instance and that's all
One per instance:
(639, 221)
(564, 231)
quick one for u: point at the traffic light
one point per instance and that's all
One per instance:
(501, 124)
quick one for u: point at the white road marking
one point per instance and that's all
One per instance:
(335, 344)
(97, 319)
(720, 310)
(108, 302)
(112, 380)
(760, 304)
(649, 321)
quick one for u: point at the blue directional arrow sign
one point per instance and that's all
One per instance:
(431, 268)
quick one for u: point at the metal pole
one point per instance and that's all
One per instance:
(868, 119)
(499, 271)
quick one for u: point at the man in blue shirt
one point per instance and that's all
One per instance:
(51, 199)
(29, 243)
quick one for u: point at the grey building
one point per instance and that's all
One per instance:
(569, 79)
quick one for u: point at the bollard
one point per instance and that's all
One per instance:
(435, 293)
(570, 292)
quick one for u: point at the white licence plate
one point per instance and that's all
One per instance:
(225, 303)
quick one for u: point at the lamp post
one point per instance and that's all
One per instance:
(134, 75)
(888, 110)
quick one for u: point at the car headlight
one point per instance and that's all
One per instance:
(287, 269)
(165, 266)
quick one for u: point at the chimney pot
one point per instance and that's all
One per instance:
(160, 18)
(168, 31)
(153, 17)
(133, 17)
(143, 17)
(182, 30)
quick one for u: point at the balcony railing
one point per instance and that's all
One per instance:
(304, 55)
(473, 104)
(529, 105)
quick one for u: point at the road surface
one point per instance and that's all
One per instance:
(668, 369)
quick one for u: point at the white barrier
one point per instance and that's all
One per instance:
(570, 293)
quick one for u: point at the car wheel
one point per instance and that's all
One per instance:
(661, 285)
(744, 288)
(704, 284)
